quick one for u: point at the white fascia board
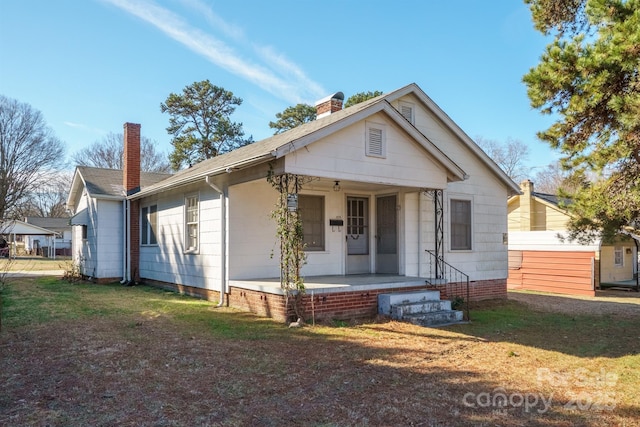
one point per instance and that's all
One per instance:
(547, 241)
(189, 179)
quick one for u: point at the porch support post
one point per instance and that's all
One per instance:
(439, 231)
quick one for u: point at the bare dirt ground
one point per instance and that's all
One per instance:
(619, 303)
(88, 355)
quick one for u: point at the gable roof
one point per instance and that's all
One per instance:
(23, 229)
(48, 222)
(104, 183)
(552, 199)
(449, 123)
(280, 145)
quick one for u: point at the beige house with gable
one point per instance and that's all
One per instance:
(540, 259)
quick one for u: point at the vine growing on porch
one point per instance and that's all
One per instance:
(290, 233)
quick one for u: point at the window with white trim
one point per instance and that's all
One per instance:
(618, 256)
(191, 223)
(460, 225)
(311, 211)
(407, 111)
(149, 225)
(375, 144)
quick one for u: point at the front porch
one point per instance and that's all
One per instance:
(335, 297)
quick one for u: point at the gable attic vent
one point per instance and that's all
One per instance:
(329, 105)
(375, 140)
(406, 109)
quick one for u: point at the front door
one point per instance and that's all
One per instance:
(386, 235)
(358, 256)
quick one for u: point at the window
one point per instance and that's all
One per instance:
(149, 225)
(406, 109)
(192, 221)
(375, 140)
(311, 211)
(84, 232)
(460, 225)
(618, 256)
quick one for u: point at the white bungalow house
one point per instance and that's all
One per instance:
(386, 183)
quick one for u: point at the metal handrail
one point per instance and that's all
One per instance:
(456, 282)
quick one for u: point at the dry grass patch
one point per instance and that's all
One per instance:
(110, 355)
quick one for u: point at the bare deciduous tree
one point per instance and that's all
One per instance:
(48, 199)
(108, 153)
(28, 151)
(510, 156)
(553, 179)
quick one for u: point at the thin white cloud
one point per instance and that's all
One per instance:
(289, 83)
(82, 127)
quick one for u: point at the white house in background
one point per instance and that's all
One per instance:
(38, 244)
(13, 231)
(385, 181)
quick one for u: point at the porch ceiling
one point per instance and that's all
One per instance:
(327, 184)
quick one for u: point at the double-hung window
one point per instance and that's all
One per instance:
(192, 223)
(460, 225)
(311, 211)
(618, 256)
(149, 225)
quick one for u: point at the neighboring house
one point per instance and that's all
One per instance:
(16, 231)
(384, 181)
(38, 244)
(540, 259)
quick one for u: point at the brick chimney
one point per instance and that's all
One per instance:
(131, 182)
(131, 163)
(526, 206)
(329, 105)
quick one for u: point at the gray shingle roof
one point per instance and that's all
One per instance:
(263, 148)
(108, 182)
(48, 222)
(552, 198)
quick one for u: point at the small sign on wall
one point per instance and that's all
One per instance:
(292, 202)
(505, 238)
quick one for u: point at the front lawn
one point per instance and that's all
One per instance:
(84, 354)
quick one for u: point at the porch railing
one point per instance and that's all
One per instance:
(449, 279)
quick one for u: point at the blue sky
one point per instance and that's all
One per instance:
(91, 65)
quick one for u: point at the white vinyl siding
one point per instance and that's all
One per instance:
(192, 223)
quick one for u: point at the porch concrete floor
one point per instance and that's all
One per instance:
(327, 284)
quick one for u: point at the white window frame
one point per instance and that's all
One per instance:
(618, 256)
(471, 225)
(190, 226)
(369, 148)
(149, 225)
(321, 246)
(412, 107)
